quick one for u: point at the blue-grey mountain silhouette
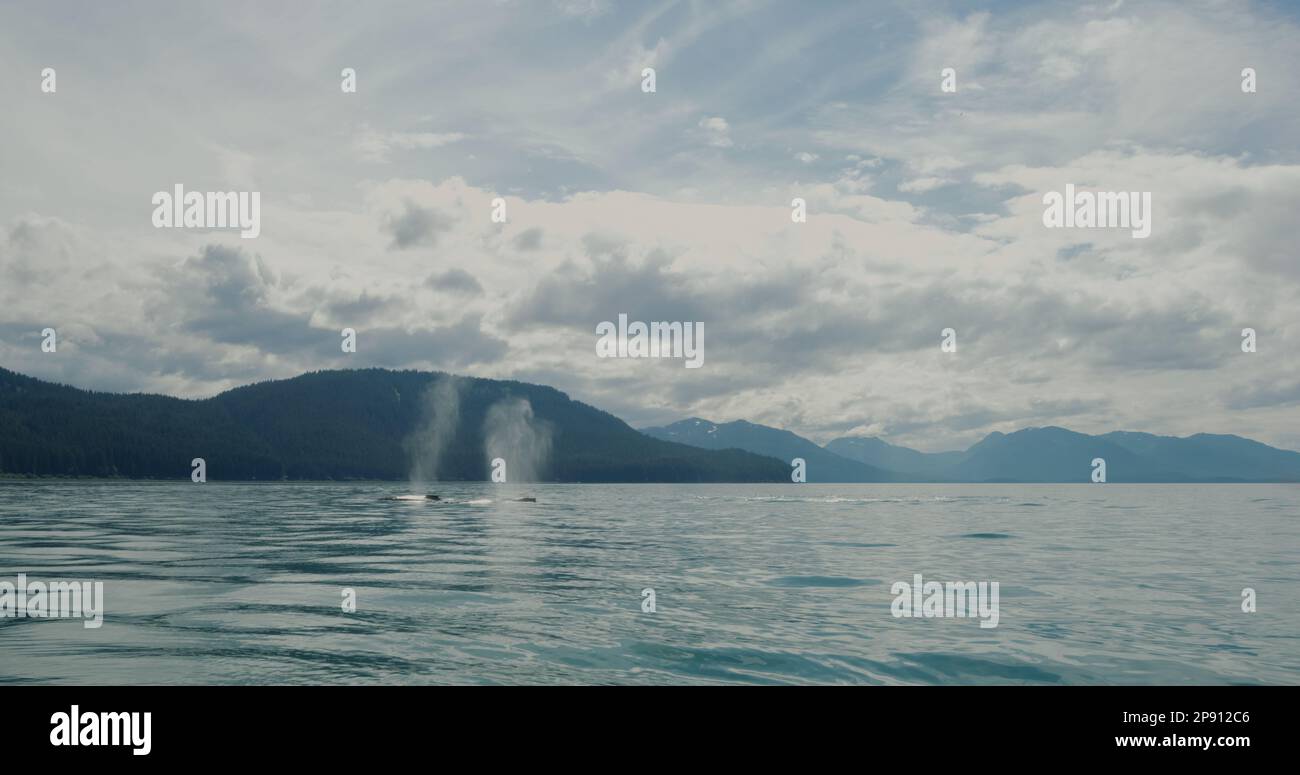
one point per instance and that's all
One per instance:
(1059, 455)
(822, 465)
(1048, 454)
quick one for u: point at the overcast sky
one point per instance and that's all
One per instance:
(924, 208)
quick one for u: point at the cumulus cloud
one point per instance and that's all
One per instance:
(529, 239)
(455, 281)
(924, 212)
(416, 226)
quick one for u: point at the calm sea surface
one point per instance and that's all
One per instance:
(242, 583)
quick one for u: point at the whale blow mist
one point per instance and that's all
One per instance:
(439, 416)
(512, 433)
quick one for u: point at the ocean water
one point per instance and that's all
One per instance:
(769, 584)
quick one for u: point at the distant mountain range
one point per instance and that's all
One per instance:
(367, 424)
(1030, 455)
(381, 424)
(824, 465)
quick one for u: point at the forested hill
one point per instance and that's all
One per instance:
(363, 424)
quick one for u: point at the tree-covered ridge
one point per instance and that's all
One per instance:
(356, 424)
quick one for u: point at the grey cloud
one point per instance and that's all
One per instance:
(530, 239)
(363, 308)
(455, 281)
(455, 346)
(612, 283)
(227, 301)
(230, 304)
(36, 250)
(1286, 393)
(104, 358)
(416, 226)
(571, 296)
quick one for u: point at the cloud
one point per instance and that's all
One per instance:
(457, 346)
(229, 299)
(455, 281)
(1264, 396)
(716, 131)
(529, 239)
(924, 208)
(583, 8)
(362, 308)
(416, 226)
(922, 185)
(376, 146)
